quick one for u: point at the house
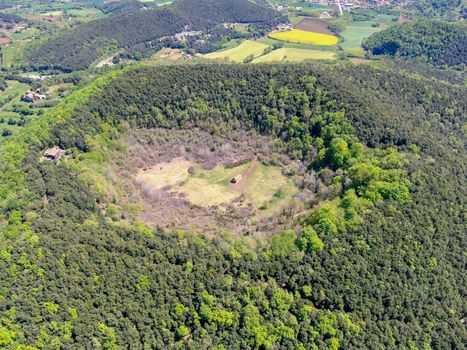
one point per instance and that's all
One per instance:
(236, 179)
(33, 96)
(54, 153)
(5, 40)
(283, 27)
(183, 35)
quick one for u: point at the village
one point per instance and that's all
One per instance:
(339, 5)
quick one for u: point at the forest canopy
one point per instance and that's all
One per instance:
(436, 42)
(143, 29)
(362, 272)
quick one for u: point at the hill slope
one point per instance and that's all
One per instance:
(72, 272)
(436, 42)
(79, 48)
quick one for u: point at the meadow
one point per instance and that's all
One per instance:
(359, 30)
(304, 37)
(9, 99)
(262, 186)
(293, 54)
(239, 53)
(353, 36)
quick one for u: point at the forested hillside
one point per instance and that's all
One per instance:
(435, 42)
(372, 265)
(448, 9)
(141, 30)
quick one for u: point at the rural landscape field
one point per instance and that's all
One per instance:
(233, 174)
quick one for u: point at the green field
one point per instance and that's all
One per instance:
(312, 6)
(25, 35)
(354, 35)
(291, 54)
(85, 15)
(84, 12)
(263, 186)
(270, 42)
(304, 37)
(8, 99)
(239, 53)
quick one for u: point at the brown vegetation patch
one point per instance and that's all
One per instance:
(315, 25)
(184, 152)
(359, 60)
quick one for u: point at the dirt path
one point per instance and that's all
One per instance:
(246, 177)
(107, 61)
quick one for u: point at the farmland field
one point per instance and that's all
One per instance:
(304, 37)
(9, 100)
(291, 54)
(270, 42)
(29, 33)
(315, 25)
(317, 7)
(354, 35)
(239, 53)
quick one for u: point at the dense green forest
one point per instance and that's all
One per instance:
(435, 42)
(372, 266)
(448, 9)
(120, 6)
(142, 31)
(10, 18)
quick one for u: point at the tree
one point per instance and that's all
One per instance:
(309, 241)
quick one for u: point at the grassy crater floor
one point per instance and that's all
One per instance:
(264, 186)
(181, 179)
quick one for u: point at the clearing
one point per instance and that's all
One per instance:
(292, 54)
(260, 185)
(353, 37)
(239, 53)
(304, 37)
(182, 179)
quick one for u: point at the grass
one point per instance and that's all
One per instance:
(295, 19)
(353, 36)
(84, 12)
(11, 96)
(53, 13)
(239, 53)
(269, 187)
(304, 37)
(29, 33)
(291, 54)
(313, 6)
(270, 42)
(14, 54)
(264, 186)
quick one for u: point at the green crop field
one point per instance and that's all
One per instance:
(13, 54)
(270, 42)
(291, 54)
(239, 53)
(353, 36)
(29, 33)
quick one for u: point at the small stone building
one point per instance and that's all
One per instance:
(54, 153)
(236, 179)
(33, 96)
